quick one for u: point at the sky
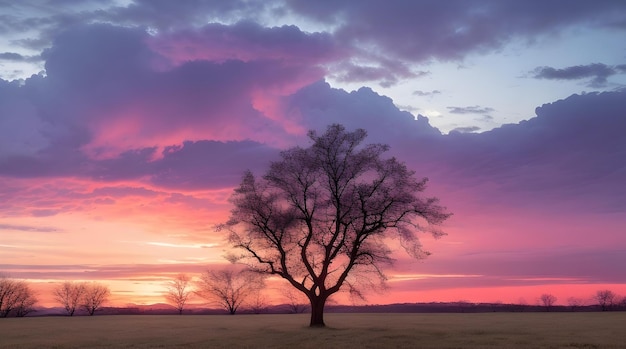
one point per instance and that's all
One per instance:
(125, 126)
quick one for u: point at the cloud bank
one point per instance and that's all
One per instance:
(144, 124)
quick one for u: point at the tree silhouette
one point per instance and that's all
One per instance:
(606, 299)
(94, 295)
(178, 291)
(547, 300)
(258, 303)
(69, 294)
(228, 287)
(323, 213)
(575, 303)
(16, 297)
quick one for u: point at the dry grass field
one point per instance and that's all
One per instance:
(483, 330)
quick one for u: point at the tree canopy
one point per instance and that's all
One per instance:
(324, 213)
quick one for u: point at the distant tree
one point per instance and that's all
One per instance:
(258, 303)
(94, 296)
(70, 295)
(521, 304)
(295, 300)
(548, 300)
(178, 291)
(606, 299)
(575, 303)
(229, 288)
(322, 215)
(26, 301)
(16, 297)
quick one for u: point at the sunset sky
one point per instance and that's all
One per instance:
(125, 125)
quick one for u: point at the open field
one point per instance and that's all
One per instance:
(482, 330)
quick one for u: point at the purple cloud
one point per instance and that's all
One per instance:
(246, 41)
(476, 109)
(29, 228)
(519, 268)
(419, 31)
(91, 100)
(100, 272)
(563, 150)
(426, 93)
(598, 73)
(386, 38)
(210, 164)
(467, 129)
(16, 57)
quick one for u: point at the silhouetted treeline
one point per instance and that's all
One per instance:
(435, 307)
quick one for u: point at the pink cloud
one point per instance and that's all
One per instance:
(248, 41)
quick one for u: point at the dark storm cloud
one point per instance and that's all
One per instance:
(598, 73)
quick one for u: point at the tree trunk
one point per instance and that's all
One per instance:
(317, 311)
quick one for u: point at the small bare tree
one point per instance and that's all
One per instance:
(70, 295)
(178, 291)
(575, 303)
(606, 299)
(547, 300)
(229, 288)
(296, 301)
(16, 297)
(94, 296)
(258, 303)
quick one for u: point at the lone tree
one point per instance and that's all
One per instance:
(606, 299)
(229, 288)
(323, 213)
(547, 300)
(178, 291)
(70, 295)
(94, 296)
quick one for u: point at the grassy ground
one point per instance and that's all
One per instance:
(484, 330)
